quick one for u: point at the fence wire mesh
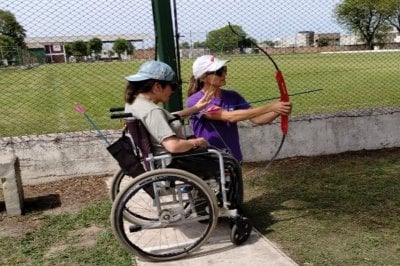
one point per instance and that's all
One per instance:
(60, 61)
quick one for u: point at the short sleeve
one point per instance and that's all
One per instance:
(158, 126)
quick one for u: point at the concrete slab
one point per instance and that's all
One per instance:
(10, 180)
(220, 251)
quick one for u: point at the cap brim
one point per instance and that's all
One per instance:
(218, 65)
(136, 77)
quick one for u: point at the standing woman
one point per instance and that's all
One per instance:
(218, 123)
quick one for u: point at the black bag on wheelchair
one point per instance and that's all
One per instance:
(122, 150)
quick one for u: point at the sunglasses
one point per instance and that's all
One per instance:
(223, 70)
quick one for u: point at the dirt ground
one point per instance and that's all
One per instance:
(68, 195)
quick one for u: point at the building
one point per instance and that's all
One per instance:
(54, 46)
(305, 39)
(331, 39)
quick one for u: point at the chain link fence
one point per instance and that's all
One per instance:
(327, 68)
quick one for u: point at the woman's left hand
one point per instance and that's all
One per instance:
(204, 101)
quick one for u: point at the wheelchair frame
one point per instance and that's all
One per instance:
(167, 213)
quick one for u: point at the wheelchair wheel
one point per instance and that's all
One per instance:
(118, 183)
(119, 180)
(157, 215)
(241, 230)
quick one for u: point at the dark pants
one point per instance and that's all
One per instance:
(206, 166)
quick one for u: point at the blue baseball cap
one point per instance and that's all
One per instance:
(153, 70)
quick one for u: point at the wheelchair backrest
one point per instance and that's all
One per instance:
(140, 137)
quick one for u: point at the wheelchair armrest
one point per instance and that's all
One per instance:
(195, 151)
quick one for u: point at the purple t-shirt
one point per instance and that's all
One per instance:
(221, 134)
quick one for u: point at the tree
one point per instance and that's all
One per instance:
(7, 48)
(322, 42)
(11, 28)
(224, 40)
(184, 45)
(95, 45)
(68, 49)
(268, 43)
(199, 45)
(120, 46)
(79, 49)
(368, 18)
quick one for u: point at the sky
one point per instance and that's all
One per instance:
(260, 19)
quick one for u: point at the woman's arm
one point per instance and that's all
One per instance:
(259, 115)
(265, 118)
(174, 144)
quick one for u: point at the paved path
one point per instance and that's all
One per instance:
(219, 250)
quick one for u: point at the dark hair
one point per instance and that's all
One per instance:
(134, 88)
(194, 85)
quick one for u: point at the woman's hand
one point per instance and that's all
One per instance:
(204, 101)
(199, 143)
(282, 108)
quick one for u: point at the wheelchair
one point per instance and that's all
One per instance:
(171, 209)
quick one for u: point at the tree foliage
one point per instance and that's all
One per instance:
(10, 27)
(368, 18)
(7, 48)
(79, 49)
(394, 19)
(121, 45)
(268, 43)
(224, 40)
(323, 42)
(184, 45)
(199, 45)
(95, 45)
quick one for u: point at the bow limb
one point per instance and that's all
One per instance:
(284, 95)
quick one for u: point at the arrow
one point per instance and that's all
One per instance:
(81, 110)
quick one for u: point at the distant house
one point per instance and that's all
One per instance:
(305, 39)
(54, 46)
(284, 42)
(351, 39)
(332, 39)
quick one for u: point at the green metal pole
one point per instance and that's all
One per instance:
(166, 46)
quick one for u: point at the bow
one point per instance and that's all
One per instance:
(284, 95)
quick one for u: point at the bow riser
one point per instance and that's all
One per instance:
(284, 98)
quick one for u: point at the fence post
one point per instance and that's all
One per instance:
(166, 46)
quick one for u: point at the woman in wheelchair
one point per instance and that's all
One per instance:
(178, 199)
(154, 84)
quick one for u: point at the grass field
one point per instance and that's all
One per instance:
(41, 100)
(331, 210)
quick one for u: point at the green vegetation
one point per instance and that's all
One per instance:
(41, 100)
(58, 241)
(331, 210)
